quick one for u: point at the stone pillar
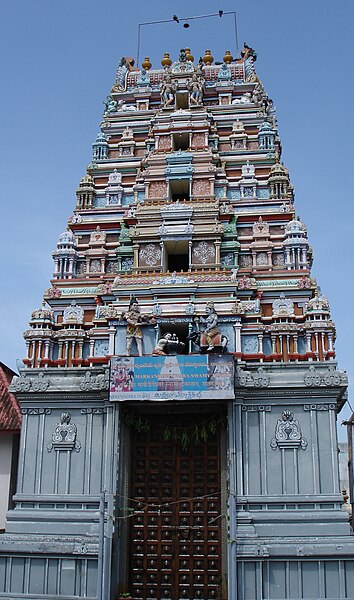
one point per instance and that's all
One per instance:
(330, 341)
(112, 334)
(317, 344)
(237, 328)
(39, 352)
(217, 244)
(56, 268)
(136, 255)
(269, 254)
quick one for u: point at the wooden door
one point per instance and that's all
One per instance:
(175, 540)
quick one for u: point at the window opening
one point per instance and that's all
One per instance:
(176, 256)
(179, 190)
(181, 141)
(182, 100)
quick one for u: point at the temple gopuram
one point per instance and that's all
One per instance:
(180, 390)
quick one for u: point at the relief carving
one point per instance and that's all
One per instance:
(36, 384)
(157, 189)
(329, 378)
(201, 187)
(95, 382)
(204, 252)
(150, 255)
(258, 379)
(64, 435)
(288, 433)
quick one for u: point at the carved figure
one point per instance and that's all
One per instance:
(123, 107)
(258, 93)
(195, 87)
(135, 320)
(211, 329)
(168, 344)
(244, 99)
(211, 337)
(167, 91)
(182, 55)
(160, 348)
(110, 105)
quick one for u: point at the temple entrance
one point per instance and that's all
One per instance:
(175, 531)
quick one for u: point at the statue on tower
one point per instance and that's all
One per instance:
(195, 88)
(110, 105)
(167, 91)
(135, 320)
(211, 329)
(210, 338)
(168, 344)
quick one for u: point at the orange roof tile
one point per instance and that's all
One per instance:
(10, 414)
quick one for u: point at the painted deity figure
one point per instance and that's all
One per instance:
(110, 104)
(195, 87)
(160, 348)
(211, 329)
(134, 320)
(168, 344)
(167, 91)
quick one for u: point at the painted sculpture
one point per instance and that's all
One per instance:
(209, 338)
(135, 320)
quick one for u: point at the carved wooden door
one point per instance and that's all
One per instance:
(176, 528)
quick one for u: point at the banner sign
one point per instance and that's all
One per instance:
(172, 377)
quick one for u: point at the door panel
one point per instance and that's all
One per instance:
(175, 539)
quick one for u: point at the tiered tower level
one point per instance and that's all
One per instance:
(186, 211)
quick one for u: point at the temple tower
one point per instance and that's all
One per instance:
(180, 393)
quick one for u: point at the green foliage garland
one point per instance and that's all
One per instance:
(186, 436)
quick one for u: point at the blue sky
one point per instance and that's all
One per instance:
(58, 62)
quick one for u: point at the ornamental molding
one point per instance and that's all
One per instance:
(189, 308)
(329, 378)
(298, 393)
(74, 313)
(283, 307)
(246, 283)
(104, 288)
(94, 411)
(288, 433)
(64, 435)
(158, 279)
(320, 407)
(83, 291)
(95, 382)
(204, 252)
(40, 383)
(256, 408)
(245, 306)
(36, 411)
(151, 255)
(258, 379)
(108, 312)
(277, 283)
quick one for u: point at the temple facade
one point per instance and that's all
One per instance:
(180, 394)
